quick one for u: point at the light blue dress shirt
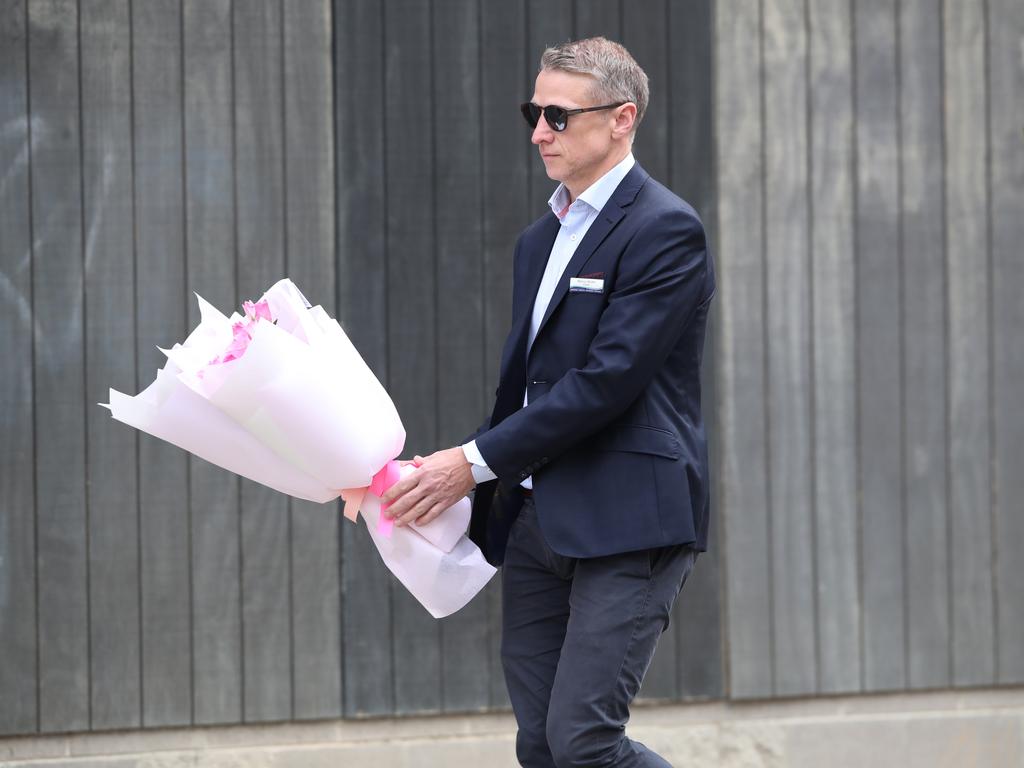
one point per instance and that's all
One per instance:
(575, 219)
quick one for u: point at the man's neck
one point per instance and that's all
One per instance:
(577, 188)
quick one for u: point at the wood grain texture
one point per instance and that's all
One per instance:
(17, 488)
(161, 320)
(879, 350)
(506, 210)
(310, 246)
(114, 597)
(863, 203)
(787, 327)
(645, 35)
(362, 265)
(698, 611)
(925, 441)
(261, 196)
(59, 367)
(1006, 170)
(465, 650)
(969, 372)
(593, 18)
(410, 146)
(833, 346)
(215, 631)
(741, 352)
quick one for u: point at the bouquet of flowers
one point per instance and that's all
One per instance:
(282, 397)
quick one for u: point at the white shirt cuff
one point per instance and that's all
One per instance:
(481, 472)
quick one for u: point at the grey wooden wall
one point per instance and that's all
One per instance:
(870, 162)
(149, 150)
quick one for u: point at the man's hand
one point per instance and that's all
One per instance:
(442, 479)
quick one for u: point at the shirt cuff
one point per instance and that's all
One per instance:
(481, 472)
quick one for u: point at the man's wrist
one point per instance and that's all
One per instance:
(481, 472)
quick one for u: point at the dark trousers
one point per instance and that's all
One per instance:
(577, 638)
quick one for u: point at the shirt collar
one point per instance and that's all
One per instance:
(598, 193)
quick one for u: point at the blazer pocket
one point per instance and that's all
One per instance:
(639, 438)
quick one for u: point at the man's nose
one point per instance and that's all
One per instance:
(542, 133)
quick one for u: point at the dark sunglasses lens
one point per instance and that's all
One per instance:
(557, 118)
(531, 112)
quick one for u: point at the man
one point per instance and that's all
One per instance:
(596, 441)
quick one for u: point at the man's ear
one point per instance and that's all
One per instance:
(625, 118)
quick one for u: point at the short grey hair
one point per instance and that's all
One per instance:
(617, 76)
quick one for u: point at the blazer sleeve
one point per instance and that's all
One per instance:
(664, 276)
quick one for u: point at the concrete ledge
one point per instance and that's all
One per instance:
(908, 730)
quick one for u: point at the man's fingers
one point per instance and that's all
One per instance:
(433, 514)
(418, 503)
(404, 503)
(415, 512)
(400, 488)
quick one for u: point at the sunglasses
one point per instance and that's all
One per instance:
(557, 117)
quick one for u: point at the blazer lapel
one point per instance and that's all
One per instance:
(538, 250)
(605, 222)
(535, 253)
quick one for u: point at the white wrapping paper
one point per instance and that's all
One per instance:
(299, 411)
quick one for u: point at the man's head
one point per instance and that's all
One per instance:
(580, 75)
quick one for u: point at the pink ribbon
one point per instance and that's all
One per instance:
(389, 474)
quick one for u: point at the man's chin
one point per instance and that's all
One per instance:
(554, 172)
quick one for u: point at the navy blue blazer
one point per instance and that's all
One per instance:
(613, 435)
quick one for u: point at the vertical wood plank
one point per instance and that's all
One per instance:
(114, 625)
(362, 264)
(465, 654)
(787, 314)
(505, 160)
(456, 82)
(597, 18)
(17, 489)
(261, 198)
(316, 610)
(833, 350)
(878, 344)
(967, 267)
(160, 320)
(924, 344)
(742, 355)
(309, 179)
(698, 611)
(216, 673)
(412, 309)
(1006, 159)
(645, 35)
(549, 23)
(57, 283)
(691, 96)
